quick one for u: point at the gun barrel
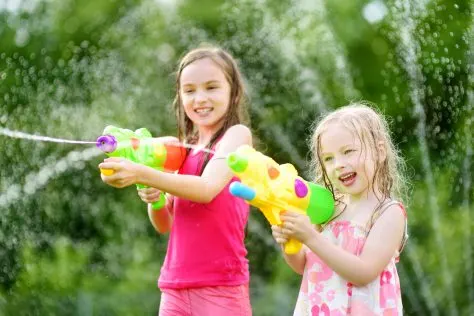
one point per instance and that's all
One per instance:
(237, 163)
(321, 204)
(106, 143)
(240, 190)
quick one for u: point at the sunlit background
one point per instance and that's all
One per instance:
(70, 245)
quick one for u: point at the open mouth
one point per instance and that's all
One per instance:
(203, 111)
(348, 178)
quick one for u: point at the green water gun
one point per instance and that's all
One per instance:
(140, 147)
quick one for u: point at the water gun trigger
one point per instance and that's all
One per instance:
(107, 172)
(293, 246)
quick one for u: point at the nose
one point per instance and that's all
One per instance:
(339, 162)
(200, 96)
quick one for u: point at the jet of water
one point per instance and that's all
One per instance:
(36, 180)
(17, 134)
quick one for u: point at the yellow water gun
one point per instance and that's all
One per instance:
(275, 188)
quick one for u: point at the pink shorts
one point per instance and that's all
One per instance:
(205, 301)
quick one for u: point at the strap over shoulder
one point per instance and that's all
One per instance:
(380, 210)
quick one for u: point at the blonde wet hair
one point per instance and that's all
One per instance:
(371, 128)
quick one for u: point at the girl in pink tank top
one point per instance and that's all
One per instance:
(205, 271)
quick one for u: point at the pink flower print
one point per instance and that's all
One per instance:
(385, 277)
(388, 295)
(320, 311)
(358, 308)
(319, 287)
(315, 299)
(324, 273)
(349, 289)
(319, 271)
(350, 242)
(390, 312)
(388, 292)
(330, 295)
(336, 230)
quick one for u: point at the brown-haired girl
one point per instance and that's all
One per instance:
(205, 271)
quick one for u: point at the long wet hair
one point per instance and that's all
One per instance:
(237, 112)
(371, 128)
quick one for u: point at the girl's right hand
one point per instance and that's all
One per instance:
(149, 195)
(278, 234)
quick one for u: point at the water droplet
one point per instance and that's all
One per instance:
(22, 37)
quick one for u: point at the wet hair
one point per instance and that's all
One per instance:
(371, 128)
(237, 111)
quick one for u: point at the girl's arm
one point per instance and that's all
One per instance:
(296, 261)
(201, 189)
(162, 219)
(381, 245)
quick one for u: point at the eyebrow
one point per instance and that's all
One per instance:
(342, 147)
(207, 82)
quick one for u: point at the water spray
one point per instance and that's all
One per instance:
(164, 154)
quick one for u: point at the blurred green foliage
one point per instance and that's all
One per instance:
(69, 245)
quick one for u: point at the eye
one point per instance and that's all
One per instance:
(212, 87)
(327, 159)
(348, 151)
(188, 90)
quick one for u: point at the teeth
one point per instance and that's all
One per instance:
(203, 110)
(347, 176)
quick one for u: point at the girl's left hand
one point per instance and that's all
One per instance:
(125, 172)
(297, 226)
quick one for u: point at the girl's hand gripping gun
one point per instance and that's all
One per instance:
(275, 188)
(142, 148)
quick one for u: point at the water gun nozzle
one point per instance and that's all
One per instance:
(241, 190)
(237, 163)
(106, 143)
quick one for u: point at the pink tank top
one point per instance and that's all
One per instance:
(206, 243)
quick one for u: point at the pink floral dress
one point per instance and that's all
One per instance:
(324, 292)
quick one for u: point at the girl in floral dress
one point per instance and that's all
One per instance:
(349, 264)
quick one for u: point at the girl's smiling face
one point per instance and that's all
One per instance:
(205, 94)
(350, 166)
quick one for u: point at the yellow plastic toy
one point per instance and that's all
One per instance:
(274, 188)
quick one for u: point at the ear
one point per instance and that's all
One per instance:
(382, 151)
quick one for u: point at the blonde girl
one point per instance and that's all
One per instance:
(348, 265)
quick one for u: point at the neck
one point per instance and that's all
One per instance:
(204, 138)
(366, 198)
(206, 133)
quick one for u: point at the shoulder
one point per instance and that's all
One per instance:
(238, 130)
(395, 208)
(394, 215)
(237, 135)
